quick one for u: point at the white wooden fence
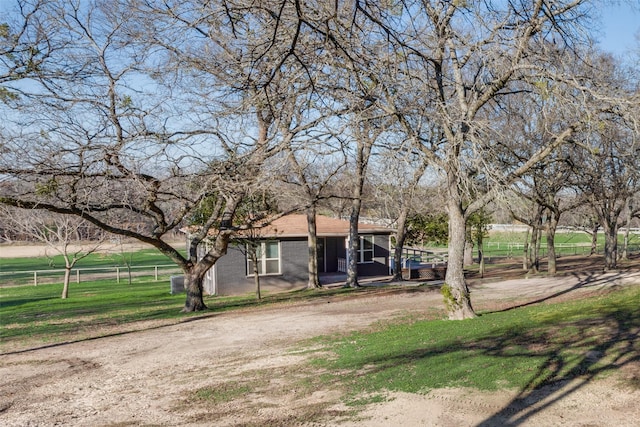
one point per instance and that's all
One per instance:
(37, 277)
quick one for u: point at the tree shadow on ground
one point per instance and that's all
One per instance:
(585, 282)
(569, 348)
(564, 373)
(511, 268)
(559, 377)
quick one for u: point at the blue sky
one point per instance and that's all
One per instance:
(620, 24)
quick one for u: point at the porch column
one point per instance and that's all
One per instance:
(346, 247)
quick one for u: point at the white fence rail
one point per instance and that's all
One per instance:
(37, 277)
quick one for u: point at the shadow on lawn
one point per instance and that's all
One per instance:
(604, 343)
(566, 349)
(563, 373)
(591, 280)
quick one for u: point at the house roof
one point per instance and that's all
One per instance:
(295, 225)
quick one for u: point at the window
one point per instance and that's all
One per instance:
(268, 256)
(365, 249)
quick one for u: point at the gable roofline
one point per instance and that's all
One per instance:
(295, 225)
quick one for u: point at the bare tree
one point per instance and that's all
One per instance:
(468, 70)
(155, 113)
(311, 165)
(22, 50)
(58, 232)
(396, 180)
(608, 177)
(604, 166)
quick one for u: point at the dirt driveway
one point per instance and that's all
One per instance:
(148, 378)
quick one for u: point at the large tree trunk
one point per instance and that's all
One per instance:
(610, 246)
(193, 287)
(312, 244)
(456, 293)
(354, 241)
(195, 269)
(401, 236)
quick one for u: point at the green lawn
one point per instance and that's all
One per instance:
(522, 348)
(500, 244)
(20, 270)
(36, 315)
(511, 243)
(142, 257)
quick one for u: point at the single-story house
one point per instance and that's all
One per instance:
(283, 255)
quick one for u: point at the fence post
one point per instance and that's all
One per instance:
(155, 268)
(35, 278)
(78, 276)
(117, 274)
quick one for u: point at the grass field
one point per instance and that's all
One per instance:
(523, 348)
(142, 257)
(20, 271)
(510, 244)
(37, 313)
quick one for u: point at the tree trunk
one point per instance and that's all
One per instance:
(533, 251)
(354, 242)
(594, 239)
(610, 246)
(256, 273)
(525, 252)
(401, 236)
(69, 263)
(65, 286)
(552, 225)
(536, 241)
(625, 245)
(456, 293)
(193, 288)
(480, 241)
(468, 253)
(312, 244)
(536, 255)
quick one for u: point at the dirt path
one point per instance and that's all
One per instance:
(148, 377)
(38, 250)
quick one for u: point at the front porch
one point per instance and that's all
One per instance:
(336, 279)
(422, 264)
